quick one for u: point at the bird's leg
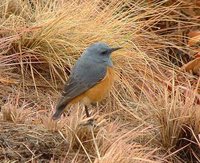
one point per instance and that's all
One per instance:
(86, 111)
(91, 120)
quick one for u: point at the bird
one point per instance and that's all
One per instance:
(90, 80)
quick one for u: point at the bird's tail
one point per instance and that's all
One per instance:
(59, 110)
(56, 115)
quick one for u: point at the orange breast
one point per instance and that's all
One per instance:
(97, 92)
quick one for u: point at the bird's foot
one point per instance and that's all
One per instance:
(90, 122)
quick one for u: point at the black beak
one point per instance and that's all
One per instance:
(114, 49)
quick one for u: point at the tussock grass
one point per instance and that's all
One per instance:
(152, 113)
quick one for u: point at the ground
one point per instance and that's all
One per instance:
(153, 111)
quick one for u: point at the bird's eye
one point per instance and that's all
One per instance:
(104, 52)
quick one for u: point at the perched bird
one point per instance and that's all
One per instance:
(90, 80)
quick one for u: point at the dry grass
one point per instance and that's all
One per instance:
(152, 114)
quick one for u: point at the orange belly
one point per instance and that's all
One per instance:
(97, 92)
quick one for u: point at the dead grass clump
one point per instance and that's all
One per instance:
(175, 114)
(23, 142)
(11, 111)
(119, 145)
(109, 142)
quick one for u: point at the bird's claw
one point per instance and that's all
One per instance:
(90, 122)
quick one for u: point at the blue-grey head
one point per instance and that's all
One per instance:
(100, 53)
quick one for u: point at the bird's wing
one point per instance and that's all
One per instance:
(83, 77)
